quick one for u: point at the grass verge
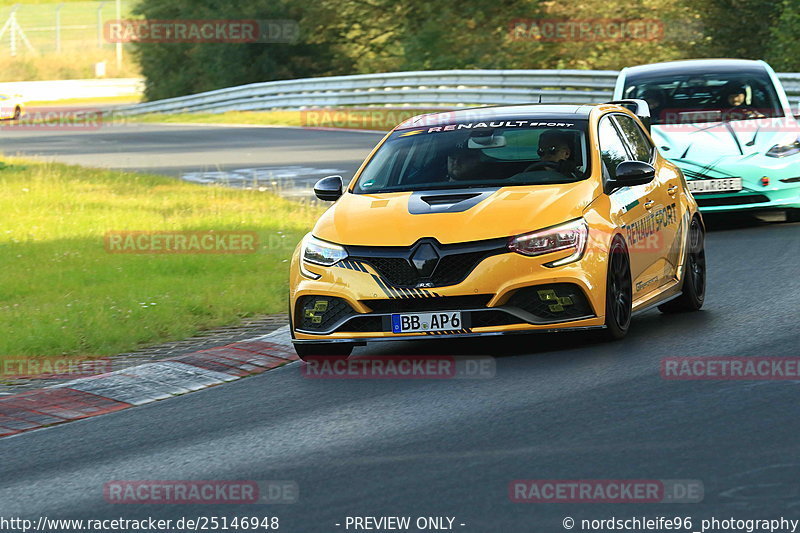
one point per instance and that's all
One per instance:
(379, 119)
(64, 294)
(99, 101)
(69, 65)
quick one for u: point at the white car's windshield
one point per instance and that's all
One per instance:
(705, 97)
(479, 154)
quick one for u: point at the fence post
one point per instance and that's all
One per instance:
(12, 20)
(119, 44)
(100, 24)
(58, 27)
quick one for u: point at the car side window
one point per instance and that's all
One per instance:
(612, 148)
(635, 138)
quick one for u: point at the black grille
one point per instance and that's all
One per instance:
(453, 269)
(485, 319)
(731, 200)
(558, 301)
(362, 324)
(320, 313)
(456, 261)
(396, 270)
(421, 305)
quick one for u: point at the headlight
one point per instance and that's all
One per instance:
(784, 149)
(318, 252)
(570, 236)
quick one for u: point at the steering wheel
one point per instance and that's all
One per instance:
(543, 165)
(741, 113)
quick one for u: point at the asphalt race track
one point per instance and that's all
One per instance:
(290, 158)
(562, 406)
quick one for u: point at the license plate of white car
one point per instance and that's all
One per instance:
(715, 185)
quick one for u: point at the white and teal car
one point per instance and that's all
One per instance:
(728, 125)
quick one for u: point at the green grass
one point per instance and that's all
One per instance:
(379, 119)
(9, 3)
(62, 293)
(98, 101)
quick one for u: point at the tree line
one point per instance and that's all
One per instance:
(339, 37)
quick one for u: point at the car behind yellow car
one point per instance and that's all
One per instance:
(499, 220)
(12, 107)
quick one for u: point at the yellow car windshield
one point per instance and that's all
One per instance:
(486, 154)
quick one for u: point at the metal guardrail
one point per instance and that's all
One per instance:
(436, 88)
(791, 84)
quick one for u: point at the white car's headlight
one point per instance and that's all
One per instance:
(319, 252)
(784, 149)
(570, 236)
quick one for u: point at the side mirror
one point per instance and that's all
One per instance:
(630, 173)
(329, 189)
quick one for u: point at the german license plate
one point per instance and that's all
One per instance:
(419, 322)
(715, 185)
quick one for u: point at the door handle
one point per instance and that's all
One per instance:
(649, 204)
(672, 190)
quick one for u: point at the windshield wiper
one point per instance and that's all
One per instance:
(735, 137)
(755, 135)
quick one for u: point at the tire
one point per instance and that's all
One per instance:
(694, 279)
(793, 215)
(327, 350)
(619, 292)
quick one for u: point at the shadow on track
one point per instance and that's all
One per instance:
(742, 220)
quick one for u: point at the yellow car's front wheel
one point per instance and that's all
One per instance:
(693, 292)
(619, 291)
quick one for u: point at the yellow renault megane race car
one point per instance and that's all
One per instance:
(499, 220)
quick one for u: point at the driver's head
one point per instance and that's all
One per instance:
(654, 97)
(554, 146)
(462, 162)
(735, 95)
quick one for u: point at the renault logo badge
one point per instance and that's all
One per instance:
(425, 259)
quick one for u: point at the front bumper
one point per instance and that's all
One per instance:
(491, 299)
(364, 340)
(751, 198)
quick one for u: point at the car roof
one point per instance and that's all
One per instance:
(500, 113)
(700, 66)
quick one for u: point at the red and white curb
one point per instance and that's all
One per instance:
(139, 385)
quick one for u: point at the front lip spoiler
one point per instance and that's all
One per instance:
(521, 314)
(364, 340)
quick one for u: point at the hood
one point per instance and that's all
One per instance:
(725, 145)
(451, 216)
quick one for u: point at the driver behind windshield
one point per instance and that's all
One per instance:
(555, 152)
(463, 164)
(734, 98)
(655, 98)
